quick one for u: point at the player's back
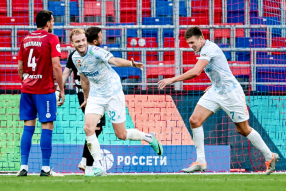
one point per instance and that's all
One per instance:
(36, 51)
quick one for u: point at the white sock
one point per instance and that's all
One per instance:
(198, 137)
(24, 167)
(88, 169)
(135, 135)
(93, 147)
(83, 160)
(258, 142)
(46, 168)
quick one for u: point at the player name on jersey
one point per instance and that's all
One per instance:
(32, 43)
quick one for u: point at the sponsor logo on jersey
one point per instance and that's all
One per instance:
(58, 47)
(96, 48)
(25, 76)
(32, 43)
(107, 55)
(90, 52)
(91, 74)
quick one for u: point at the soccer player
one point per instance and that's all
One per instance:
(94, 38)
(103, 92)
(225, 93)
(39, 57)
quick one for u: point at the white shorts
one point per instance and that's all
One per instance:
(233, 103)
(114, 106)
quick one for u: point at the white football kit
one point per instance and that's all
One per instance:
(225, 92)
(105, 86)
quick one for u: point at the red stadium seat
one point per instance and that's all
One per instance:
(154, 72)
(20, 36)
(194, 20)
(146, 42)
(64, 54)
(272, 8)
(5, 38)
(225, 33)
(94, 8)
(202, 78)
(3, 8)
(279, 42)
(9, 75)
(190, 58)
(15, 20)
(8, 58)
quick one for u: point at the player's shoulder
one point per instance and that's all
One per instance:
(209, 47)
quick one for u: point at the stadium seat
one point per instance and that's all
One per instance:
(165, 8)
(225, 33)
(20, 36)
(157, 21)
(13, 20)
(245, 42)
(194, 20)
(3, 8)
(279, 42)
(128, 72)
(202, 78)
(74, 11)
(271, 74)
(92, 11)
(272, 8)
(155, 72)
(8, 58)
(5, 38)
(227, 54)
(128, 10)
(9, 75)
(117, 32)
(64, 54)
(271, 59)
(240, 71)
(117, 54)
(147, 42)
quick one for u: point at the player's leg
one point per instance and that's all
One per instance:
(47, 110)
(117, 114)
(28, 113)
(205, 108)
(251, 134)
(236, 109)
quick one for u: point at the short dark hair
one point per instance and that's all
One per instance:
(92, 34)
(193, 31)
(43, 17)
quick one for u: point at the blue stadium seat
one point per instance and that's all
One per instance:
(165, 8)
(117, 33)
(57, 7)
(157, 21)
(271, 74)
(245, 42)
(236, 10)
(74, 11)
(271, 59)
(265, 21)
(127, 72)
(117, 54)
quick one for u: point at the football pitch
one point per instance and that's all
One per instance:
(231, 182)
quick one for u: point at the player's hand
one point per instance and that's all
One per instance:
(62, 96)
(137, 64)
(58, 97)
(207, 88)
(165, 82)
(83, 104)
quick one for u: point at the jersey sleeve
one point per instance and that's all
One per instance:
(207, 53)
(102, 54)
(55, 47)
(69, 63)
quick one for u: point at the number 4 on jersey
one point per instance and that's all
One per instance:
(32, 64)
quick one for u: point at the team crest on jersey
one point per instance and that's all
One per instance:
(78, 62)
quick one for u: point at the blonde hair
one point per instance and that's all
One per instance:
(76, 32)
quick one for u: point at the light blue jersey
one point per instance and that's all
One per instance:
(104, 81)
(218, 69)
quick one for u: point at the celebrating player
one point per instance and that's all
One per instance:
(225, 93)
(102, 86)
(94, 38)
(39, 57)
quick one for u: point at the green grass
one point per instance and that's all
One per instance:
(255, 182)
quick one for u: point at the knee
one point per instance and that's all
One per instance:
(195, 122)
(88, 128)
(121, 135)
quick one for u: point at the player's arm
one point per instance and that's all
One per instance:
(119, 62)
(66, 73)
(58, 74)
(20, 69)
(85, 87)
(192, 73)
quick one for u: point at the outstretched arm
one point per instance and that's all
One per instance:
(119, 62)
(85, 86)
(192, 73)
